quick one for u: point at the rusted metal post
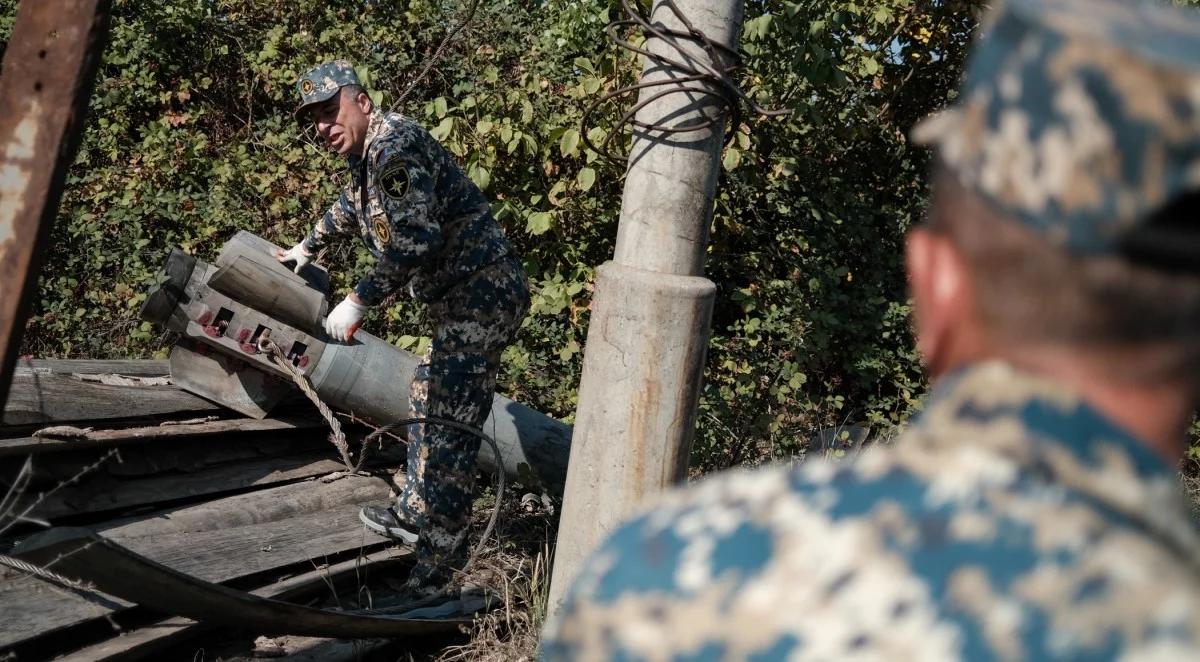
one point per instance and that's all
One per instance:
(45, 82)
(644, 360)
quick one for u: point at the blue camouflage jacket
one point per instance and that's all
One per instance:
(1011, 521)
(425, 222)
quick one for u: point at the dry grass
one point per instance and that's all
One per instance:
(515, 567)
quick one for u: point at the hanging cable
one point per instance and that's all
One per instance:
(437, 54)
(713, 79)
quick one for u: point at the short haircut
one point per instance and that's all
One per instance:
(353, 91)
(1145, 321)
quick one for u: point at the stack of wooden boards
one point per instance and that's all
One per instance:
(114, 447)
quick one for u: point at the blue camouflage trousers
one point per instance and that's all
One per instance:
(474, 322)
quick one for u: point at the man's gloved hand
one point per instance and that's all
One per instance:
(344, 320)
(295, 254)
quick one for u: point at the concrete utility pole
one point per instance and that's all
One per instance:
(644, 359)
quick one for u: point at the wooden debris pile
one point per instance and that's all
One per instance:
(115, 448)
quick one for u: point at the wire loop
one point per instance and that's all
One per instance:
(716, 77)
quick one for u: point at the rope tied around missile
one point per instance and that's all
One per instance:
(688, 75)
(338, 438)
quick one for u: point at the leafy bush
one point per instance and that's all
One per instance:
(190, 137)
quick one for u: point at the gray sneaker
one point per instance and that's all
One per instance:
(385, 521)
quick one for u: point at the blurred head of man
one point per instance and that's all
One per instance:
(1064, 233)
(337, 105)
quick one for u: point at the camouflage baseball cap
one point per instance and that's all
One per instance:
(1080, 118)
(323, 81)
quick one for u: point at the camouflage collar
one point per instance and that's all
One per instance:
(1052, 435)
(376, 125)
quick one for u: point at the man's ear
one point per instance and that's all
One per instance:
(364, 102)
(944, 318)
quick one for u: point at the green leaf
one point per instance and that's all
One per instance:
(526, 112)
(585, 64)
(733, 158)
(569, 143)
(444, 129)
(757, 28)
(591, 85)
(557, 190)
(407, 341)
(570, 350)
(539, 223)
(483, 127)
(586, 178)
(480, 176)
(597, 135)
(439, 107)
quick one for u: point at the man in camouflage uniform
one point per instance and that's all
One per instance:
(432, 235)
(1033, 509)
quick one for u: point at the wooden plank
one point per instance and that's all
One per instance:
(250, 509)
(49, 65)
(214, 552)
(155, 433)
(49, 470)
(81, 554)
(46, 399)
(316, 649)
(102, 492)
(151, 641)
(130, 367)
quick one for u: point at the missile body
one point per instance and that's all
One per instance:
(222, 310)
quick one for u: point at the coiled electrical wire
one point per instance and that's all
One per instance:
(713, 79)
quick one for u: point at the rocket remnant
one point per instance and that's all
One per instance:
(222, 310)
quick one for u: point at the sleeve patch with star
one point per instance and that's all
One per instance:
(394, 180)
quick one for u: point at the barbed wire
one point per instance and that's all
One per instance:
(713, 79)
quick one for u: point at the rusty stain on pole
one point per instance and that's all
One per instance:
(45, 80)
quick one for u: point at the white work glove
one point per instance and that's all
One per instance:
(295, 254)
(344, 320)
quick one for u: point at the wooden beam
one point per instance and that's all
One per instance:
(102, 493)
(258, 508)
(53, 399)
(45, 81)
(133, 367)
(154, 433)
(83, 555)
(219, 541)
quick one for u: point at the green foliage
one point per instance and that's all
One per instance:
(190, 137)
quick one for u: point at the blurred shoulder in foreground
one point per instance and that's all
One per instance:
(1033, 509)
